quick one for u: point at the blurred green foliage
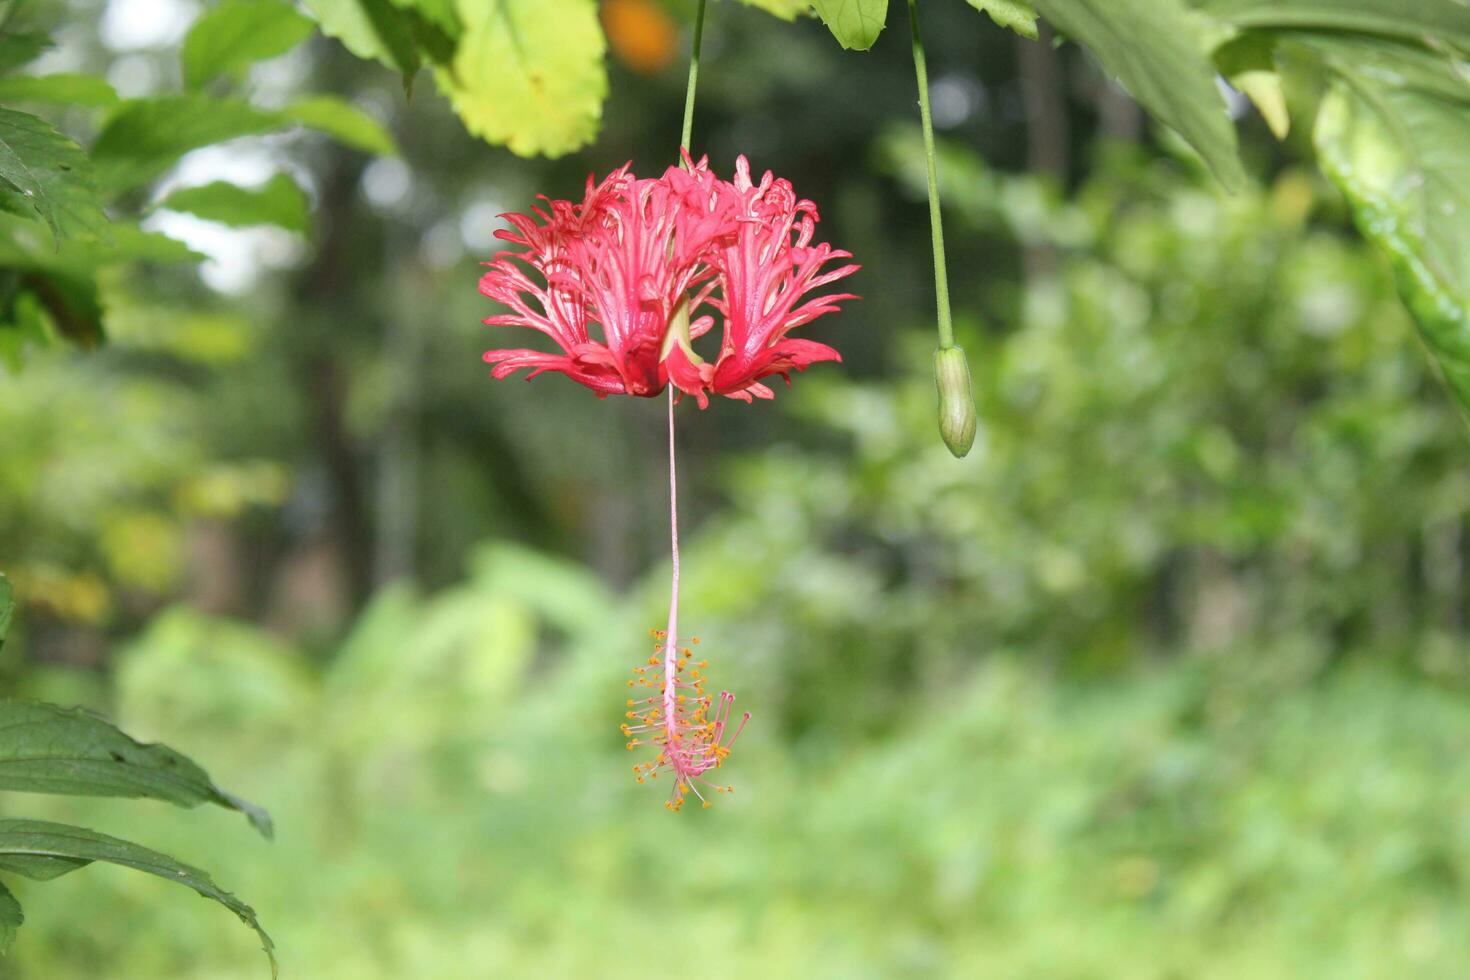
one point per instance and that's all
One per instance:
(456, 803)
(1164, 680)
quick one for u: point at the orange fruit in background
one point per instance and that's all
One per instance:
(640, 33)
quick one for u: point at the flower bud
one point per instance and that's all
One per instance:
(957, 419)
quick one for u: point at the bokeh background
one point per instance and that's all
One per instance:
(1169, 678)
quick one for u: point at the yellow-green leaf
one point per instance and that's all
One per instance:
(785, 9)
(855, 23)
(1246, 61)
(1017, 15)
(529, 74)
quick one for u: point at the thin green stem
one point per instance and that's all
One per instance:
(693, 77)
(936, 225)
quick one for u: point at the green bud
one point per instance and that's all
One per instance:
(957, 419)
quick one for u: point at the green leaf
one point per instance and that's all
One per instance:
(48, 749)
(143, 138)
(231, 37)
(1153, 48)
(855, 23)
(277, 202)
(24, 844)
(20, 48)
(64, 89)
(1394, 135)
(342, 121)
(372, 29)
(1017, 15)
(11, 918)
(47, 175)
(7, 608)
(529, 74)
(1411, 20)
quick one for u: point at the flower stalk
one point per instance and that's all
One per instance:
(688, 130)
(957, 419)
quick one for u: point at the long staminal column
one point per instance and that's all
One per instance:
(692, 731)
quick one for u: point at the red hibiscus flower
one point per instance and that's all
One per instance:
(641, 258)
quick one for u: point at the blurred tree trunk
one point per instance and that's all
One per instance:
(399, 458)
(318, 365)
(1047, 131)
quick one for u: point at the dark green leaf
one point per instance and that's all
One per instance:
(33, 840)
(11, 918)
(529, 74)
(21, 47)
(855, 23)
(48, 749)
(39, 867)
(1154, 49)
(67, 89)
(145, 137)
(229, 38)
(440, 13)
(62, 283)
(47, 175)
(372, 29)
(1444, 20)
(277, 202)
(1017, 15)
(344, 122)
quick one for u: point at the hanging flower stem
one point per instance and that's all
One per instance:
(688, 129)
(957, 420)
(936, 223)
